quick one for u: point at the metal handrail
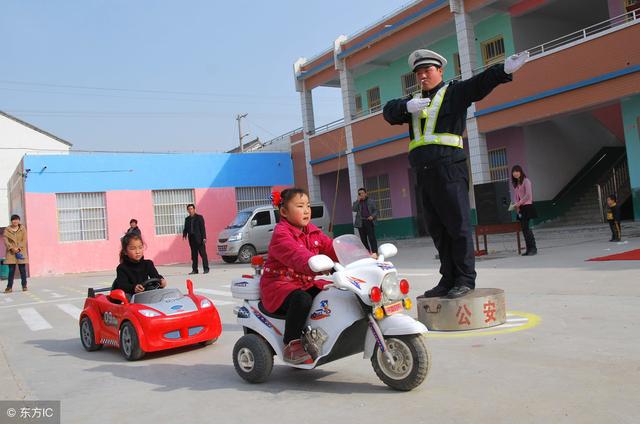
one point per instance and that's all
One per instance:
(282, 136)
(327, 127)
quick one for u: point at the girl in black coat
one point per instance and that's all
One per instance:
(134, 269)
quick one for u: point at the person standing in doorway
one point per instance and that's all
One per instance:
(437, 119)
(366, 215)
(194, 229)
(524, 207)
(15, 240)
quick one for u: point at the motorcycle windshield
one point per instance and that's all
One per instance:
(349, 249)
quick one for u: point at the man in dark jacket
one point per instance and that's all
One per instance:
(437, 118)
(194, 229)
(366, 214)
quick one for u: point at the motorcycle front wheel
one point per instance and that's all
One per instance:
(411, 362)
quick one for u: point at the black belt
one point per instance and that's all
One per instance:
(439, 164)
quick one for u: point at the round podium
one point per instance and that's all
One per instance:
(482, 308)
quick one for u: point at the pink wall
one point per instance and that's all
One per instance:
(343, 214)
(397, 167)
(47, 255)
(513, 139)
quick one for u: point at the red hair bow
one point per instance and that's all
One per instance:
(276, 199)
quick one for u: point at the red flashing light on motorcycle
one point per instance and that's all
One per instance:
(375, 294)
(257, 261)
(404, 286)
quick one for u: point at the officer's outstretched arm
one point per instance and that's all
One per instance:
(395, 112)
(478, 86)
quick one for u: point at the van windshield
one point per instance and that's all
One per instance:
(240, 219)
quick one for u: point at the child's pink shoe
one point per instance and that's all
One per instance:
(294, 353)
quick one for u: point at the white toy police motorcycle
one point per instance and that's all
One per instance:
(362, 310)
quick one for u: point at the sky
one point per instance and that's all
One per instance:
(157, 75)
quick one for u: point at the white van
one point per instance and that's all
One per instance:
(251, 230)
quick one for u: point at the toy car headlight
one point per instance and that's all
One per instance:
(149, 313)
(235, 237)
(205, 303)
(391, 287)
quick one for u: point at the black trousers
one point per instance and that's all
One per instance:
(368, 235)
(198, 248)
(12, 273)
(296, 307)
(616, 233)
(529, 239)
(445, 195)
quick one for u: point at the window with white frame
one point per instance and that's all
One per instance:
(170, 210)
(378, 191)
(248, 197)
(409, 84)
(373, 98)
(492, 50)
(498, 165)
(81, 216)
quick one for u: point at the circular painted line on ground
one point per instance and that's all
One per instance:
(516, 321)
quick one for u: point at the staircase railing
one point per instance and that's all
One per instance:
(615, 181)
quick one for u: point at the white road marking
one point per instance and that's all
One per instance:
(57, 296)
(403, 274)
(215, 292)
(7, 299)
(221, 302)
(33, 319)
(17, 305)
(70, 309)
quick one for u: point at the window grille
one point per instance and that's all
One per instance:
(81, 216)
(170, 210)
(492, 50)
(373, 97)
(409, 84)
(247, 197)
(498, 168)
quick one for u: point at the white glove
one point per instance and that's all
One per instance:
(417, 105)
(515, 62)
(511, 207)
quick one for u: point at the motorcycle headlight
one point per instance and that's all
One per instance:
(235, 237)
(391, 287)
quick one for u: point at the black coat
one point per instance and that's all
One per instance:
(194, 228)
(451, 117)
(130, 273)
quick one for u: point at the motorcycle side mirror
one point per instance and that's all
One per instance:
(119, 295)
(320, 263)
(387, 250)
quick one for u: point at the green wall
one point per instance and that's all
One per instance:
(388, 78)
(631, 120)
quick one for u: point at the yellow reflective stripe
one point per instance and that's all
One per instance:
(428, 136)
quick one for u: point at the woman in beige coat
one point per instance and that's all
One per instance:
(15, 239)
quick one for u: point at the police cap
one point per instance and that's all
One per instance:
(423, 57)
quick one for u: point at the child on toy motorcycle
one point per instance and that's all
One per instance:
(288, 285)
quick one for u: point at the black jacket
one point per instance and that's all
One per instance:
(452, 116)
(614, 213)
(194, 228)
(130, 273)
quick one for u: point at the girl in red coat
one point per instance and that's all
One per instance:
(288, 285)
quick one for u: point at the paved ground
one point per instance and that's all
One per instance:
(580, 364)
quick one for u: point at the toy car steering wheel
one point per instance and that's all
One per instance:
(151, 284)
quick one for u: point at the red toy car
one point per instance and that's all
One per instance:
(155, 319)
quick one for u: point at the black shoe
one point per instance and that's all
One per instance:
(206, 271)
(613, 240)
(193, 272)
(525, 253)
(458, 291)
(532, 252)
(437, 291)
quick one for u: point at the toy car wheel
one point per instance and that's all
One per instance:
(229, 259)
(87, 335)
(252, 358)
(245, 253)
(411, 362)
(208, 342)
(129, 343)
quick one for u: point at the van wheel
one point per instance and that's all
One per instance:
(229, 259)
(245, 253)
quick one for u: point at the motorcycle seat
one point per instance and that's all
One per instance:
(269, 314)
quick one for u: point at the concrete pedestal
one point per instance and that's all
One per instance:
(482, 308)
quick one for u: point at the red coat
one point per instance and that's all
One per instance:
(287, 268)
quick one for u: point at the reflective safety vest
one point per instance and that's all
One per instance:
(423, 136)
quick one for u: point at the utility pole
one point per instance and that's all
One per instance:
(240, 135)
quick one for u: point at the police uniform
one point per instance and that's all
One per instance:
(436, 154)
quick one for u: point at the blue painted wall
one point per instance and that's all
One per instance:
(105, 172)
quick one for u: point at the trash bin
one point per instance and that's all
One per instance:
(4, 270)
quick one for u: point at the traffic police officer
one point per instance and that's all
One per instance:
(436, 119)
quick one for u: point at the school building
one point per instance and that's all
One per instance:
(76, 207)
(570, 117)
